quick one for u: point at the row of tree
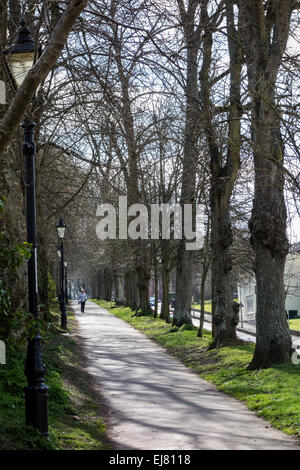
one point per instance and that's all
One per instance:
(185, 103)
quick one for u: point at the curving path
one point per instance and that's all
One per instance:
(155, 402)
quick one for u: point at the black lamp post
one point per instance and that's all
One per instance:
(66, 281)
(61, 228)
(19, 60)
(59, 293)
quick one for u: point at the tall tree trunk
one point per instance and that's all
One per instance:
(131, 171)
(223, 315)
(165, 278)
(165, 306)
(142, 257)
(107, 284)
(131, 292)
(202, 303)
(99, 285)
(121, 288)
(223, 175)
(205, 267)
(116, 285)
(182, 311)
(265, 36)
(155, 265)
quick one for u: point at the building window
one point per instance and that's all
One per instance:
(249, 305)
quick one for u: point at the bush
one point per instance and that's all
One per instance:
(144, 312)
(187, 327)
(174, 329)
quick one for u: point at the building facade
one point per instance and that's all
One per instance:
(247, 290)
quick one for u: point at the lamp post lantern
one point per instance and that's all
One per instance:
(19, 59)
(61, 228)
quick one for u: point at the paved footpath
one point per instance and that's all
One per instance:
(156, 402)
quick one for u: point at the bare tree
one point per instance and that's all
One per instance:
(192, 36)
(224, 171)
(265, 29)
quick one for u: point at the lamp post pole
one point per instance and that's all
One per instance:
(36, 392)
(66, 282)
(59, 290)
(61, 228)
(62, 289)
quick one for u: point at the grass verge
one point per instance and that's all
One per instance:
(273, 393)
(207, 305)
(294, 324)
(75, 420)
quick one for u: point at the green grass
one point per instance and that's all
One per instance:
(294, 324)
(273, 393)
(207, 305)
(75, 420)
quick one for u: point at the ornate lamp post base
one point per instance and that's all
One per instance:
(36, 392)
(36, 403)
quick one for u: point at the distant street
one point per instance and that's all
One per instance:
(247, 333)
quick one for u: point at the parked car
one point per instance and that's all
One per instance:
(152, 301)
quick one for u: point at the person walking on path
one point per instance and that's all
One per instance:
(82, 299)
